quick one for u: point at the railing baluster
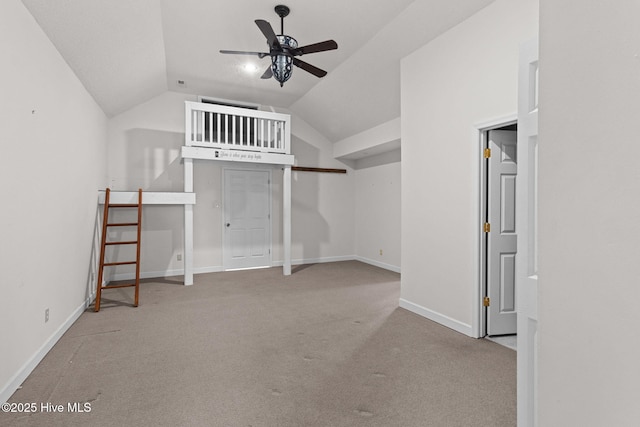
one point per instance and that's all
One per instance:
(261, 132)
(226, 128)
(218, 140)
(210, 141)
(233, 127)
(255, 131)
(201, 123)
(193, 126)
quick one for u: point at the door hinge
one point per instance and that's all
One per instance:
(487, 227)
(486, 302)
(487, 153)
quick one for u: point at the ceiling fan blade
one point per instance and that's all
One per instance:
(239, 52)
(267, 73)
(316, 47)
(309, 68)
(268, 32)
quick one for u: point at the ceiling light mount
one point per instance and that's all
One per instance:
(282, 10)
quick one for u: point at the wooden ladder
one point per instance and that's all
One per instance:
(103, 245)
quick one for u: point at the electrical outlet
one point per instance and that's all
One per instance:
(46, 315)
(179, 257)
(380, 251)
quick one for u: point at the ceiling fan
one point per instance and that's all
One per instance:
(284, 50)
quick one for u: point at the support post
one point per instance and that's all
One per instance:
(188, 224)
(286, 219)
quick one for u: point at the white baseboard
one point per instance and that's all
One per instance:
(315, 260)
(218, 268)
(14, 383)
(378, 264)
(447, 321)
(201, 270)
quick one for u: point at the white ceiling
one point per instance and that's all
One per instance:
(127, 51)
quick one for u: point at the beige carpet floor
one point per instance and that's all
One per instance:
(326, 346)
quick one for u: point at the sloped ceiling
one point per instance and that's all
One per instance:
(128, 51)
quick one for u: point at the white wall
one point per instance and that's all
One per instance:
(465, 77)
(377, 214)
(144, 151)
(589, 215)
(53, 162)
(322, 226)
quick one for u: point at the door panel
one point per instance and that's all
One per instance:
(247, 234)
(507, 280)
(502, 239)
(508, 204)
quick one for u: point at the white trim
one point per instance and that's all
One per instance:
(378, 264)
(219, 268)
(495, 123)
(165, 273)
(479, 129)
(149, 197)
(19, 377)
(301, 261)
(227, 102)
(286, 220)
(279, 263)
(447, 321)
(188, 223)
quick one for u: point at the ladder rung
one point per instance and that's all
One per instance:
(122, 224)
(123, 205)
(127, 285)
(131, 242)
(120, 263)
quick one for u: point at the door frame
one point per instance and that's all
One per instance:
(246, 168)
(480, 141)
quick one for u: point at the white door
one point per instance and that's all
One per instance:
(527, 214)
(247, 219)
(501, 238)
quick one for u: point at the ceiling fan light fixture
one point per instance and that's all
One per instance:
(282, 65)
(282, 68)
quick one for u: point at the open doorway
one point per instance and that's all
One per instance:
(499, 234)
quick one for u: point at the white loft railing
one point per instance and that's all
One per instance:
(222, 127)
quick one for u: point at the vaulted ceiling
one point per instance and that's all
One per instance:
(126, 52)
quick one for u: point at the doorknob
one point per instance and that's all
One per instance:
(228, 224)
